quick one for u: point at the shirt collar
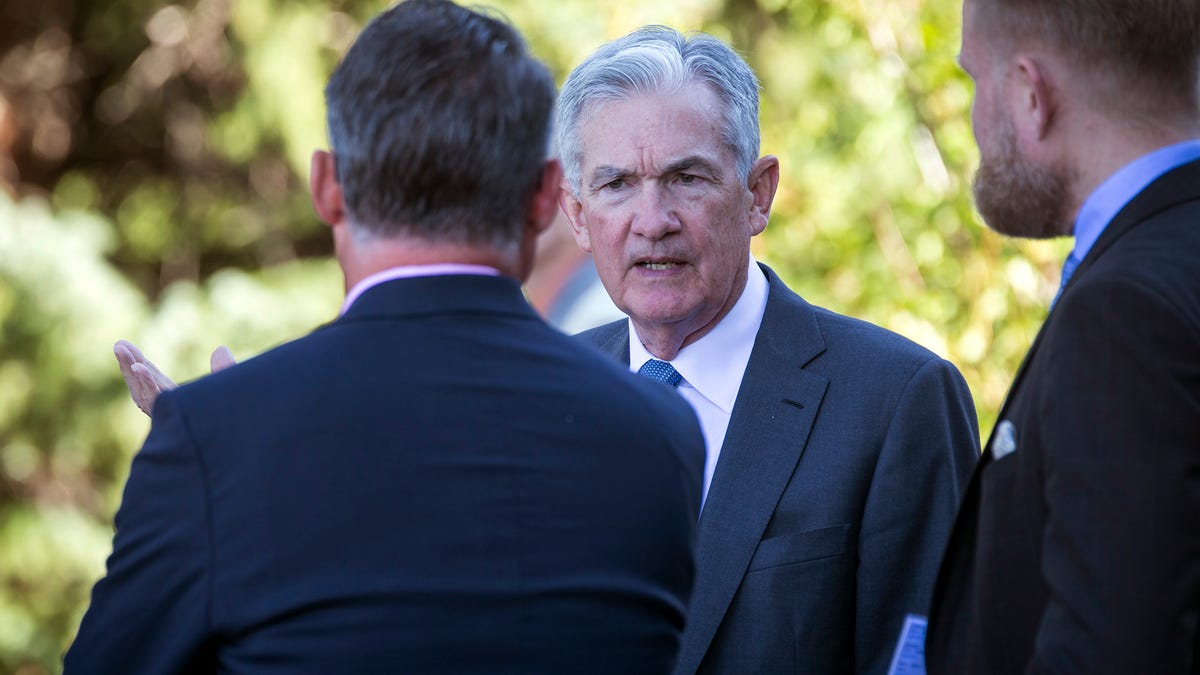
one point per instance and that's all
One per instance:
(409, 271)
(714, 364)
(1120, 188)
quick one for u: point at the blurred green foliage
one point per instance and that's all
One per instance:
(155, 157)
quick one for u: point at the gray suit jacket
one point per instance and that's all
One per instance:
(833, 498)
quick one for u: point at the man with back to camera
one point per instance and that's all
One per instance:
(839, 448)
(1077, 547)
(433, 482)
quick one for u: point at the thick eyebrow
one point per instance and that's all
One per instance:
(695, 164)
(603, 175)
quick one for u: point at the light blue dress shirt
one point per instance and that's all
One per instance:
(1118, 190)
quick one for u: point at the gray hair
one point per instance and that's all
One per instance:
(659, 60)
(439, 120)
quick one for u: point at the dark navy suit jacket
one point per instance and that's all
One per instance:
(835, 490)
(436, 482)
(1077, 549)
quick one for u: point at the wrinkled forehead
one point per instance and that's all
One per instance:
(657, 93)
(667, 124)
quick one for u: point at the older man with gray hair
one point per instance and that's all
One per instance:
(836, 449)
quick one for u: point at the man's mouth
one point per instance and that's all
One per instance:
(659, 265)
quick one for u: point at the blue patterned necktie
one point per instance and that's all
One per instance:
(661, 371)
(1068, 269)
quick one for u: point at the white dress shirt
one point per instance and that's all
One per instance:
(712, 367)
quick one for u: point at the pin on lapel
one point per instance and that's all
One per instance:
(1004, 441)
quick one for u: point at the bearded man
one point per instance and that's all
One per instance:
(1077, 547)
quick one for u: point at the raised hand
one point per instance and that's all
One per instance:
(145, 381)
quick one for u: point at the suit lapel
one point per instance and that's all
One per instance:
(772, 417)
(1172, 188)
(1177, 186)
(612, 339)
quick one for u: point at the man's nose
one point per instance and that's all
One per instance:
(654, 216)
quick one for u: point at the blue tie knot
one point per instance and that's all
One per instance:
(661, 371)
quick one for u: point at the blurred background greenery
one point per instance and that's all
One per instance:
(153, 163)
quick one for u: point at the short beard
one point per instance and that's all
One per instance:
(1020, 199)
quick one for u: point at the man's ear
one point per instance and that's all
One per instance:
(539, 214)
(572, 208)
(1034, 99)
(325, 189)
(763, 182)
(543, 203)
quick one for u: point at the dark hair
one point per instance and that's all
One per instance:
(439, 122)
(1151, 46)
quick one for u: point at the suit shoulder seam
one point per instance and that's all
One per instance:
(208, 513)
